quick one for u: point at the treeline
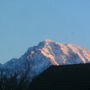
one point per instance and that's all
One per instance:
(11, 82)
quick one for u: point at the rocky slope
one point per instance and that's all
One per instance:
(46, 53)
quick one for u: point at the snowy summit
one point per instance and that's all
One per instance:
(47, 53)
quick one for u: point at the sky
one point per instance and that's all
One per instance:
(24, 23)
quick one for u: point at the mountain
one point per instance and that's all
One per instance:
(0, 65)
(45, 54)
(67, 77)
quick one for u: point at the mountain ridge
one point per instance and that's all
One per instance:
(71, 77)
(47, 53)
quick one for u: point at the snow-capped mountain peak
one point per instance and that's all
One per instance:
(45, 54)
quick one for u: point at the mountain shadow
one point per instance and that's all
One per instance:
(68, 77)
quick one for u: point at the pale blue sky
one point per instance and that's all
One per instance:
(24, 23)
